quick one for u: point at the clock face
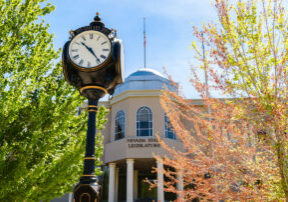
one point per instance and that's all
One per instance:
(89, 49)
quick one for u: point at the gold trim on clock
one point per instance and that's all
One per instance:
(92, 110)
(90, 158)
(92, 106)
(94, 87)
(91, 69)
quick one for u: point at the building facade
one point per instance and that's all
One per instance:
(130, 144)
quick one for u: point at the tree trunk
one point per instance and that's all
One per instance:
(282, 166)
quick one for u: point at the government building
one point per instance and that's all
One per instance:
(135, 117)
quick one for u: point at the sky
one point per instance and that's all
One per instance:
(168, 30)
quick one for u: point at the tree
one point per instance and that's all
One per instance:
(246, 59)
(222, 157)
(42, 139)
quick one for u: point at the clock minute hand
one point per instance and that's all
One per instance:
(91, 51)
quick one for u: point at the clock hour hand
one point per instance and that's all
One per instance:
(91, 51)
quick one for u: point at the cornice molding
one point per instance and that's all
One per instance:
(135, 93)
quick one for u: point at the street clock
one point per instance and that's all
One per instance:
(93, 59)
(93, 63)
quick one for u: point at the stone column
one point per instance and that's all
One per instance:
(129, 181)
(160, 187)
(70, 197)
(135, 193)
(111, 190)
(180, 185)
(116, 184)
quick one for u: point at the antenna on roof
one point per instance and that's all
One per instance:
(144, 35)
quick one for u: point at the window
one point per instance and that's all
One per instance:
(169, 133)
(120, 125)
(144, 122)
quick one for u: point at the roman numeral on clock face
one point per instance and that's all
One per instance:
(75, 57)
(102, 56)
(103, 42)
(81, 62)
(105, 49)
(83, 37)
(91, 36)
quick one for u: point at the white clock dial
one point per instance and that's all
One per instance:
(89, 49)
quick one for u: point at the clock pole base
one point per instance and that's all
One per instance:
(86, 193)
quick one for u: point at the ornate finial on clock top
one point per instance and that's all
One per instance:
(71, 32)
(97, 18)
(97, 21)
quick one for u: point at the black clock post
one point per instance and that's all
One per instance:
(93, 63)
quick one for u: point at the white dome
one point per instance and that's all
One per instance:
(143, 73)
(145, 79)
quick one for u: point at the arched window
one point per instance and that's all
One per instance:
(120, 125)
(144, 122)
(169, 131)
